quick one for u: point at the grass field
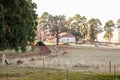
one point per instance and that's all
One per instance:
(79, 63)
(78, 58)
(18, 73)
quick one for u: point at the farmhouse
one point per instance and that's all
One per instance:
(66, 38)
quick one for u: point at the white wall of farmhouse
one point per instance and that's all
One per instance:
(67, 39)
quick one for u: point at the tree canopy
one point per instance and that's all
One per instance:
(77, 25)
(109, 27)
(17, 24)
(94, 28)
(118, 23)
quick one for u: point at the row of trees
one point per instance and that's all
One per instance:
(78, 25)
(17, 24)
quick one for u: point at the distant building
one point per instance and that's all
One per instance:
(66, 38)
(63, 38)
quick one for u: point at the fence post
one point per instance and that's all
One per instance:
(3, 58)
(7, 76)
(43, 68)
(68, 67)
(114, 71)
(110, 66)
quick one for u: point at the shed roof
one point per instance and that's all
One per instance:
(65, 34)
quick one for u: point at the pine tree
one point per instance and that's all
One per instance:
(17, 24)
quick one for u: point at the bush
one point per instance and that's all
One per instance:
(40, 43)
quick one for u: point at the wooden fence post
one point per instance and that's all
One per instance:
(7, 76)
(3, 58)
(43, 68)
(114, 71)
(110, 66)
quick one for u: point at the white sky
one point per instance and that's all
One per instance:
(102, 9)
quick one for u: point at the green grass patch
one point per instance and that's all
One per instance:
(28, 73)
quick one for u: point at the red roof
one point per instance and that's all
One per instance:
(65, 34)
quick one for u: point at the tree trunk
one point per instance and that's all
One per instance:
(57, 37)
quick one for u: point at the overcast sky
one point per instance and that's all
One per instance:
(102, 9)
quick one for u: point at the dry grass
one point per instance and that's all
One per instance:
(88, 59)
(28, 73)
(78, 58)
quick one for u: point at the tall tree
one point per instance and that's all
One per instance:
(94, 27)
(52, 24)
(84, 27)
(1, 20)
(109, 27)
(18, 24)
(57, 26)
(74, 25)
(43, 22)
(118, 23)
(118, 27)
